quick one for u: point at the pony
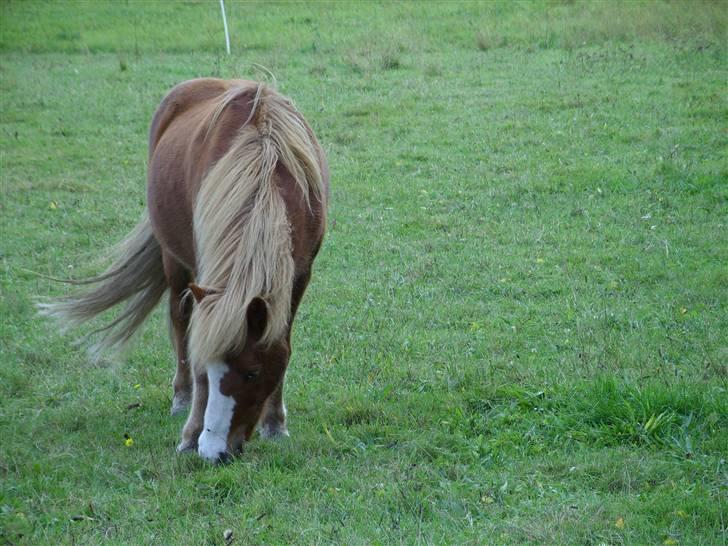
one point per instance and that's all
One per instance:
(237, 194)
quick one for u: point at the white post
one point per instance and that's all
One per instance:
(224, 22)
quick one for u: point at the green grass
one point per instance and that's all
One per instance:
(516, 331)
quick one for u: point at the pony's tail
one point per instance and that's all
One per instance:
(136, 275)
(242, 232)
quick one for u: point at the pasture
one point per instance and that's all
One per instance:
(517, 328)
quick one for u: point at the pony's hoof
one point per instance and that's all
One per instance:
(273, 431)
(186, 446)
(180, 403)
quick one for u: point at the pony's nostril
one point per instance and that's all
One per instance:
(223, 457)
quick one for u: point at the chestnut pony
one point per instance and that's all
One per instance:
(237, 192)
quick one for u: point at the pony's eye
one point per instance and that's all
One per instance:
(250, 376)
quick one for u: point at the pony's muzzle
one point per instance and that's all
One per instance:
(227, 456)
(215, 451)
(223, 458)
(220, 457)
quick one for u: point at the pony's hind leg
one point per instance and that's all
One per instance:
(180, 309)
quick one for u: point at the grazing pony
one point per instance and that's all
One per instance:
(236, 198)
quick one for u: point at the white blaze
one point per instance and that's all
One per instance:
(218, 415)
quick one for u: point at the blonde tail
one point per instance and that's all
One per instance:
(136, 276)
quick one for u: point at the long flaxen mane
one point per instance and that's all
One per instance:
(242, 233)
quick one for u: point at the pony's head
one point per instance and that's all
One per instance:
(239, 383)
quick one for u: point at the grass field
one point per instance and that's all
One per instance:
(517, 330)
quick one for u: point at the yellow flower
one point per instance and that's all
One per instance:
(670, 542)
(619, 524)
(128, 442)
(53, 205)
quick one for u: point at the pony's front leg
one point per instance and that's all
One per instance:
(182, 382)
(196, 419)
(272, 422)
(180, 309)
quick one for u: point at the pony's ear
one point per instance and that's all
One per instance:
(198, 292)
(257, 316)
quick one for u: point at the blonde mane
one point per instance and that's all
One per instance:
(242, 233)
